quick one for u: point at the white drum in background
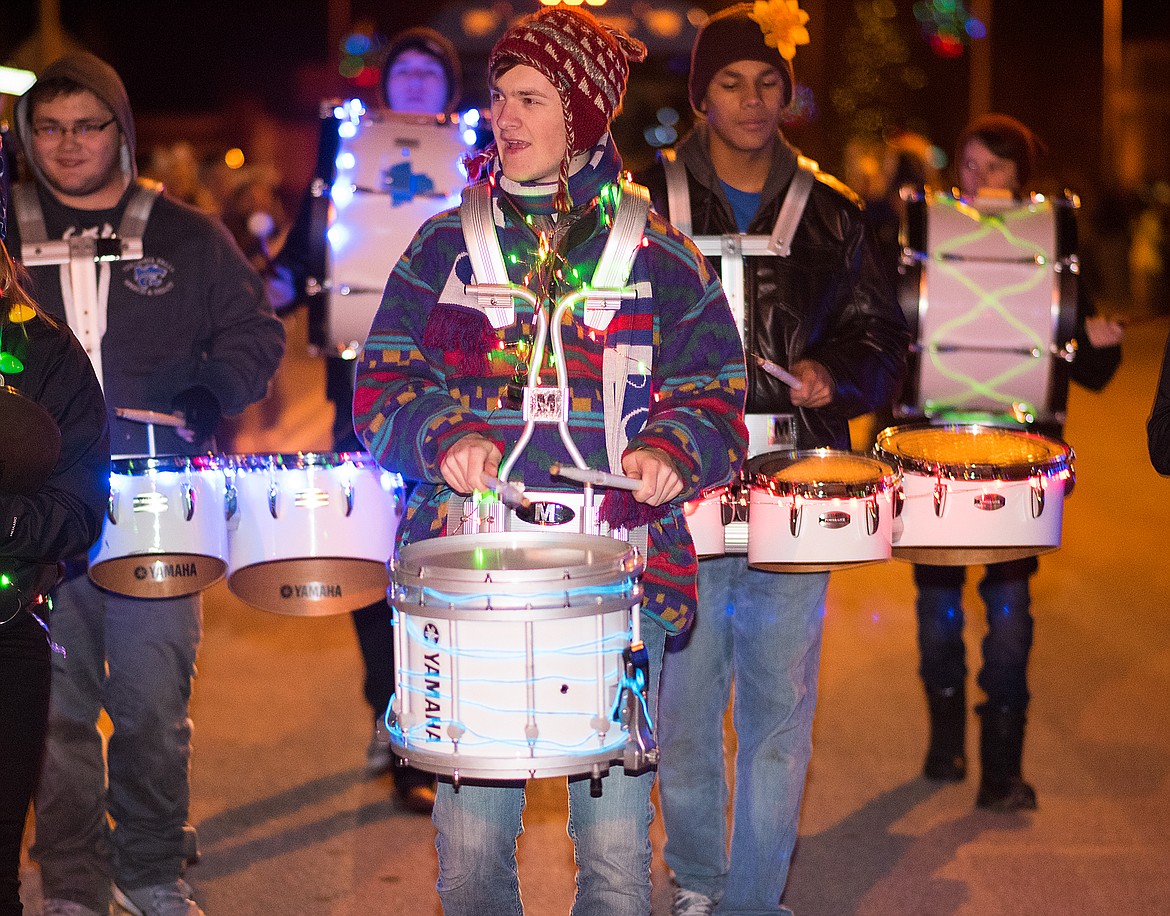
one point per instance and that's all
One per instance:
(311, 534)
(991, 289)
(819, 510)
(718, 522)
(977, 494)
(394, 171)
(164, 534)
(509, 651)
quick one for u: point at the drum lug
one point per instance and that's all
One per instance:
(794, 518)
(1037, 497)
(112, 507)
(872, 516)
(273, 492)
(940, 498)
(899, 500)
(641, 752)
(347, 492)
(230, 502)
(189, 502)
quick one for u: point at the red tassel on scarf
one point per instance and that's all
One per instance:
(463, 334)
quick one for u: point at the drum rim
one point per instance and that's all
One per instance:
(885, 478)
(418, 561)
(125, 467)
(297, 461)
(1056, 466)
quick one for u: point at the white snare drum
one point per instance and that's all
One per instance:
(394, 171)
(509, 649)
(819, 510)
(977, 494)
(718, 522)
(990, 288)
(311, 533)
(164, 534)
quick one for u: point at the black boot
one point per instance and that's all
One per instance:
(1001, 747)
(946, 758)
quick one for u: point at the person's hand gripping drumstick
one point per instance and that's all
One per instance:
(811, 384)
(652, 478)
(468, 461)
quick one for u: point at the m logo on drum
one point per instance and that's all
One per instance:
(545, 513)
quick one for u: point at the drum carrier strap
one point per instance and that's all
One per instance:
(85, 289)
(766, 430)
(605, 294)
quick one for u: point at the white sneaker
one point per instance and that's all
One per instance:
(159, 900)
(691, 903)
(56, 906)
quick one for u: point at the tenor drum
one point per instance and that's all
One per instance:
(990, 289)
(164, 534)
(509, 651)
(394, 171)
(819, 510)
(976, 494)
(310, 534)
(718, 522)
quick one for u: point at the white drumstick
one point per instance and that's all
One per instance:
(149, 416)
(777, 372)
(595, 478)
(510, 494)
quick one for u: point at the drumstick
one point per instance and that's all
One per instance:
(776, 372)
(510, 494)
(595, 478)
(149, 416)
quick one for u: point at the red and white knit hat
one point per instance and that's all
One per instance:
(587, 62)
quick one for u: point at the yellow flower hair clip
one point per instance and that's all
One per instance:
(782, 22)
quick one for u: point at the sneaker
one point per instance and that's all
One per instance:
(691, 903)
(379, 759)
(158, 900)
(56, 906)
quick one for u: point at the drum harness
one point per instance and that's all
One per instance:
(601, 298)
(767, 432)
(85, 288)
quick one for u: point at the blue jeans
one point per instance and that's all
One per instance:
(1004, 590)
(764, 631)
(149, 648)
(479, 825)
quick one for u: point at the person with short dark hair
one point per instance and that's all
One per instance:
(178, 325)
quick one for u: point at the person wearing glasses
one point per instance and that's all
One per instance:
(180, 326)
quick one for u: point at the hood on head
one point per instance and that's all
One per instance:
(92, 73)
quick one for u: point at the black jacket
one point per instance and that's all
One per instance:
(64, 517)
(828, 301)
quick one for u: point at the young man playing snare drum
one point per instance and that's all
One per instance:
(439, 400)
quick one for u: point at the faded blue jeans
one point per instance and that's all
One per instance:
(1005, 593)
(149, 647)
(479, 825)
(762, 630)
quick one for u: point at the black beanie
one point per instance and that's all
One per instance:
(728, 36)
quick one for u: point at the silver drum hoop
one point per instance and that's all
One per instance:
(1054, 458)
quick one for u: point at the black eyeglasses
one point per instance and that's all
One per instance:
(81, 130)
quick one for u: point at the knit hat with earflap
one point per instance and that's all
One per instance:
(762, 31)
(587, 62)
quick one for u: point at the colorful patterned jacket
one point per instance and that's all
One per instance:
(415, 398)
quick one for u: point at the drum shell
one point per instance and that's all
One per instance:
(164, 533)
(516, 677)
(311, 533)
(705, 519)
(813, 528)
(976, 512)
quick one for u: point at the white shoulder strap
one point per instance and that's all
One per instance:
(780, 242)
(617, 258)
(483, 249)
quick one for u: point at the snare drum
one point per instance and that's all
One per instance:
(310, 534)
(164, 534)
(977, 494)
(509, 651)
(819, 510)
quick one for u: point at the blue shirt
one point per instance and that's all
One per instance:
(744, 204)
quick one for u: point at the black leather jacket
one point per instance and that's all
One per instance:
(828, 301)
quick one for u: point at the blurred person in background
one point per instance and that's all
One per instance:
(996, 157)
(421, 74)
